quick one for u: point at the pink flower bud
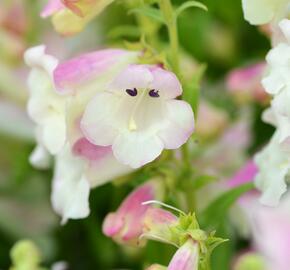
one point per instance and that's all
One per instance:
(157, 224)
(126, 224)
(186, 257)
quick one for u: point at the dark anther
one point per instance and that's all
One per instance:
(153, 93)
(132, 92)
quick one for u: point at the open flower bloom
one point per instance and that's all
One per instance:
(71, 16)
(265, 11)
(139, 116)
(58, 95)
(126, 224)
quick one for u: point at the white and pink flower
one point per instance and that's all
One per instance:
(138, 115)
(58, 96)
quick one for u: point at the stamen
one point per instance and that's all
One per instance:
(154, 93)
(132, 92)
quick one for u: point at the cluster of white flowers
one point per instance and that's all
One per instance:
(274, 160)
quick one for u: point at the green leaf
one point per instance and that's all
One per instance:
(187, 5)
(217, 210)
(150, 12)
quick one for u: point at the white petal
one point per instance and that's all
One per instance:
(70, 189)
(135, 76)
(259, 11)
(180, 124)
(54, 134)
(273, 164)
(136, 149)
(285, 27)
(99, 122)
(40, 158)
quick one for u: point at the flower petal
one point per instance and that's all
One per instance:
(135, 76)
(166, 82)
(285, 27)
(259, 11)
(136, 148)
(87, 68)
(40, 157)
(52, 7)
(99, 118)
(273, 164)
(180, 124)
(103, 166)
(186, 257)
(70, 189)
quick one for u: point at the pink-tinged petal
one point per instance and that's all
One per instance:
(166, 82)
(90, 151)
(102, 166)
(246, 174)
(126, 224)
(113, 224)
(70, 188)
(180, 124)
(89, 67)
(186, 257)
(135, 76)
(52, 7)
(98, 122)
(136, 149)
(285, 27)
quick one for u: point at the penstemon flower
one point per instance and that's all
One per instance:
(71, 16)
(59, 93)
(138, 115)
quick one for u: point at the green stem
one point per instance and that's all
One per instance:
(170, 20)
(171, 23)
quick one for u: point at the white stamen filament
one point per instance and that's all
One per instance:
(132, 123)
